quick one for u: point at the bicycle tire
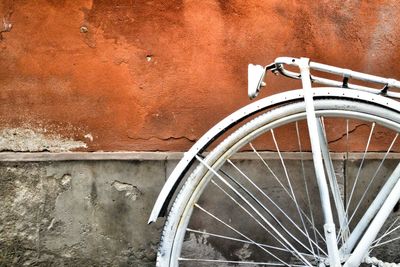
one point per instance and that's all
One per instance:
(181, 212)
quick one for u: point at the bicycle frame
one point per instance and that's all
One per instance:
(380, 208)
(387, 197)
(385, 200)
(329, 226)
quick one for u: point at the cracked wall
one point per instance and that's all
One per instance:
(155, 75)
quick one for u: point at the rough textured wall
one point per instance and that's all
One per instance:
(79, 213)
(94, 213)
(154, 75)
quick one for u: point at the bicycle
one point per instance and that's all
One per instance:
(311, 216)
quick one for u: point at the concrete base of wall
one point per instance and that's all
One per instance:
(91, 212)
(79, 213)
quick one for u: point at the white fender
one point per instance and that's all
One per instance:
(177, 174)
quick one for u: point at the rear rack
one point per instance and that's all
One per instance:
(346, 74)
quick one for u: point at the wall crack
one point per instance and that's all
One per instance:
(192, 140)
(344, 135)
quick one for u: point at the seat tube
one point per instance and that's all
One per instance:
(329, 226)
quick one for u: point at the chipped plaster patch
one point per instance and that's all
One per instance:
(197, 246)
(244, 252)
(89, 136)
(131, 191)
(28, 140)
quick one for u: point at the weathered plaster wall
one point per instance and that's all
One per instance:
(154, 75)
(94, 213)
(79, 213)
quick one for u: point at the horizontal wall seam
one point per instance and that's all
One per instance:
(139, 156)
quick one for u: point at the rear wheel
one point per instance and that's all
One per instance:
(246, 206)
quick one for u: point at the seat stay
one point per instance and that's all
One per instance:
(312, 122)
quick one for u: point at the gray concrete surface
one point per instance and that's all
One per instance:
(79, 213)
(94, 212)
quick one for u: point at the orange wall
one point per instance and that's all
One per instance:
(155, 75)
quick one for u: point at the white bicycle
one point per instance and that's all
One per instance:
(331, 202)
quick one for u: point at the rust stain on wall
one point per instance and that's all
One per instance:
(155, 75)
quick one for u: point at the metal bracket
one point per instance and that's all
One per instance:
(391, 83)
(384, 90)
(346, 78)
(345, 82)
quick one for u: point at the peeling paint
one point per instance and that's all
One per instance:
(28, 140)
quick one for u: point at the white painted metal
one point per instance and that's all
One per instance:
(371, 212)
(255, 76)
(349, 74)
(296, 253)
(277, 99)
(367, 94)
(175, 221)
(329, 226)
(369, 236)
(203, 142)
(333, 183)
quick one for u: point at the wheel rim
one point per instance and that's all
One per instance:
(304, 243)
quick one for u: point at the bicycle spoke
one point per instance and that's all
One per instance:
(359, 168)
(255, 210)
(239, 233)
(280, 239)
(277, 206)
(386, 242)
(237, 262)
(271, 214)
(373, 177)
(258, 222)
(310, 206)
(271, 171)
(280, 183)
(285, 170)
(290, 184)
(388, 231)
